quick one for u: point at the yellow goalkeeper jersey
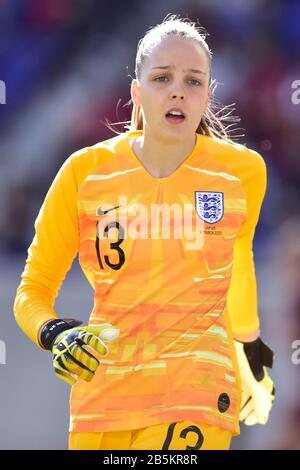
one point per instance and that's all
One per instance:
(170, 260)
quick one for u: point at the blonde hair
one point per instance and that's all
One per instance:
(217, 120)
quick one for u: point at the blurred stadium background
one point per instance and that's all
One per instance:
(66, 64)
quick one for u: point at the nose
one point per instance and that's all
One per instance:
(177, 95)
(177, 92)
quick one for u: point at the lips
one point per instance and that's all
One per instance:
(175, 116)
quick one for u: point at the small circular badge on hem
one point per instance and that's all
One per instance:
(223, 402)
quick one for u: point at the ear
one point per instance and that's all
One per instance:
(135, 92)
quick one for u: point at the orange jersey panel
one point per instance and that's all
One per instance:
(173, 359)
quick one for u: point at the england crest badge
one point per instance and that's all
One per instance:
(209, 206)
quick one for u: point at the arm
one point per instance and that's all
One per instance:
(242, 294)
(252, 354)
(50, 254)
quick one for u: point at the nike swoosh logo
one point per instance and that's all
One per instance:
(100, 212)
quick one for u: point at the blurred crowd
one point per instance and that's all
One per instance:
(67, 66)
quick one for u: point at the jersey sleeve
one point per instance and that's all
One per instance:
(242, 295)
(50, 254)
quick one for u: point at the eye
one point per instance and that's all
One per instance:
(161, 78)
(194, 82)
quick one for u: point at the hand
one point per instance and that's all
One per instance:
(75, 349)
(258, 391)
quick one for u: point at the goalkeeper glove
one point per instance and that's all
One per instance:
(258, 391)
(74, 346)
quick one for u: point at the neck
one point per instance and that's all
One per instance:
(161, 157)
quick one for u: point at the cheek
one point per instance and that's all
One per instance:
(151, 102)
(199, 101)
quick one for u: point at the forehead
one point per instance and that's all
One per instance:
(179, 52)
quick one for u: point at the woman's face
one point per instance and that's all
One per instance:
(173, 89)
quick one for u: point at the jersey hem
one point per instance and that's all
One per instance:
(106, 425)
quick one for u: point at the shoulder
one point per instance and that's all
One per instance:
(99, 150)
(241, 161)
(85, 160)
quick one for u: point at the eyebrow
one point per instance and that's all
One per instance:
(165, 67)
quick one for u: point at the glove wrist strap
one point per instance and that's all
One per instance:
(258, 355)
(53, 328)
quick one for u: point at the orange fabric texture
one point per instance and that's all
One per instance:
(176, 307)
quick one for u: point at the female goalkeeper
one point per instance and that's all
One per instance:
(162, 217)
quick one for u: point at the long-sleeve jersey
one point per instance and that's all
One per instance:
(171, 263)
